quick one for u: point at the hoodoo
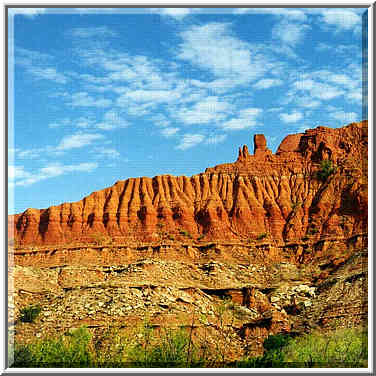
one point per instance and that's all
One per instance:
(283, 197)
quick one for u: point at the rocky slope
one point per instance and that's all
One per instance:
(247, 249)
(232, 306)
(272, 196)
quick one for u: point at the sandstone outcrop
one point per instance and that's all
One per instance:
(275, 197)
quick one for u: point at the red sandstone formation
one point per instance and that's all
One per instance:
(273, 196)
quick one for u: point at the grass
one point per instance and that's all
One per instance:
(168, 348)
(148, 347)
(66, 351)
(341, 348)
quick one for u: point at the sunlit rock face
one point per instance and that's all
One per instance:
(277, 197)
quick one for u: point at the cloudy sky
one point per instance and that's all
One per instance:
(98, 96)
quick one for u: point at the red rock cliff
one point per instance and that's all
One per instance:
(264, 195)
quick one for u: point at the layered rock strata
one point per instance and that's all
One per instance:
(276, 197)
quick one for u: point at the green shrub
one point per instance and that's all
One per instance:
(341, 348)
(345, 348)
(296, 205)
(172, 348)
(276, 342)
(312, 231)
(30, 313)
(185, 233)
(273, 356)
(71, 351)
(262, 236)
(326, 169)
(150, 348)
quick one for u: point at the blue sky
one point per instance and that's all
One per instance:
(103, 95)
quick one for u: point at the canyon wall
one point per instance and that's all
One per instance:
(278, 197)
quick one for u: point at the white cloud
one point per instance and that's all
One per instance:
(48, 74)
(27, 57)
(210, 109)
(156, 96)
(29, 12)
(289, 33)
(68, 142)
(342, 19)
(177, 13)
(294, 14)
(247, 118)
(78, 140)
(33, 153)
(169, 132)
(92, 32)
(275, 109)
(190, 140)
(213, 140)
(344, 117)
(266, 83)
(318, 90)
(17, 172)
(160, 120)
(84, 122)
(291, 118)
(212, 47)
(94, 79)
(303, 128)
(83, 99)
(58, 124)
(140, 72)
(24, 178)
(39, 65)
(102, 152)
(355, 96)
(340, 79)
(138, 110)
(307, 102)
(112, 119)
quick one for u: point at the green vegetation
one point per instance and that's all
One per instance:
(173, 348)
(149, 347)
(296, 205)
(168, 348)
(312, 231)
(67, 351)
(262, 236)
(345, 348)
(30, 313)
(341, 348)
(326, 169)
(185, 233)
